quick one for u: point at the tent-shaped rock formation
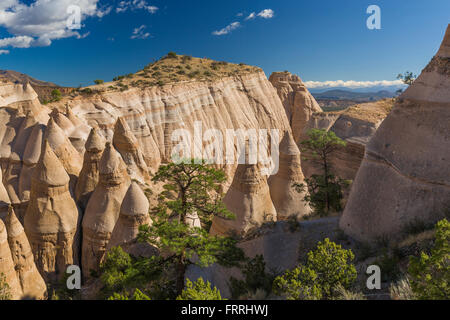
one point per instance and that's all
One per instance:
(249, 199)
(134, 213)
(405, 174)
(31, 282)
(52, 217)
(89, 175)
(287, 201)
(126, 143)
(103, 208)
(7, 270)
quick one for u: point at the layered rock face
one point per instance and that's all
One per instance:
(73, 127)
(286, 200)
(355, 125)
(246, 101)
(405, 174)
(126, 143)
(249, 199)
(31, 282)
(134, 212)
(89, 175)
(299, 104)
(52, 217)
(7, 265)
(103, 208)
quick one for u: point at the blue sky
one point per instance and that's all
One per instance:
(320, 40)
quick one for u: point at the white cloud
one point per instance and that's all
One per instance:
(227, 29)
(351, 84)
(251, 16)
(266, 14)
(135, 5)
(43, 21)
(4, 52)
(16, 42)
(139, 33)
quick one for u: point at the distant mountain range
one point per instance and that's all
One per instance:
(338, 99)
(354, 96)
(19, 77)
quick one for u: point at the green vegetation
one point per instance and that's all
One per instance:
(190, 188)
(199, 290)
(430, 273)
(256, 280)
(4, 288)
(407, 78)
(137, 295)
(171, 55)
(56, 95)
(174, 68)
(327, 269)
(122, 274)
(99, 81)
(324, 191)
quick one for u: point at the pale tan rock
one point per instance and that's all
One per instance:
(31, 282)
(103, 208)
(355, 125)
(52, 218)
(64, 150)
(7, 265)
(243, 101)
(249, 199)
(127, 145)
(287, 201)
(299, 104)
(405, 174)
(31, 157)
(80, 131)
(12, 174)
(4, 199)
(89, 175)
(134, 212)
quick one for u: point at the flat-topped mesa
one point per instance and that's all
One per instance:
(7, 269)
(4, 199)
(134, 212)
(89, 175)
(298, 102)
(287, 201)
(52, 217)
(31, 282)
(103, 208)
(64, 150)
(249, 199)
(126, 143)
(406, 162)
